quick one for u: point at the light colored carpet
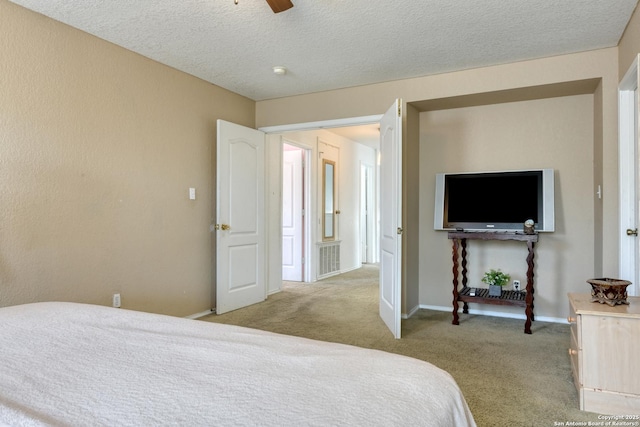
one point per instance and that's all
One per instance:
(508, 378)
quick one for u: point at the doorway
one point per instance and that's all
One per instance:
(389, 283)
(349, 155)
(362, 133)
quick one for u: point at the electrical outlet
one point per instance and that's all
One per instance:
(116, 300)
(516, 285)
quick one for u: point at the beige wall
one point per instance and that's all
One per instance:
(98, 147)
(629, 46)
(561, 76)
(547, 133)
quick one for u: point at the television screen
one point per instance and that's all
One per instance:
(495, 200)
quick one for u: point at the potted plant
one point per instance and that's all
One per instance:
(496, 279)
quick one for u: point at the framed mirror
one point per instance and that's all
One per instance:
(328, 200)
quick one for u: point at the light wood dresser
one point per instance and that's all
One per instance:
(605, 354)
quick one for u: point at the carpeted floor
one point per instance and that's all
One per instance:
(508, 378)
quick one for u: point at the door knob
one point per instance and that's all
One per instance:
(223, 227)
(631, 232)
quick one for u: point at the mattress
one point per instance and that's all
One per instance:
(80, 364)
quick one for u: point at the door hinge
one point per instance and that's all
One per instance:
(399, 110)
(302, 260)
(303, 212)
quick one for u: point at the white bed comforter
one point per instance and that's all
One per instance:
(87, 365)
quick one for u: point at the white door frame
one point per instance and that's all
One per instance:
(628, 167)
(310, 126)
(322, 124)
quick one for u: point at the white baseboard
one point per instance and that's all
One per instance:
(346, 270)
(496, 313)
(411, 312)
(201, 314)
(436, 308)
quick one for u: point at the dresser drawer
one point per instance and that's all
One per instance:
(575, 349)
(603, 350)
(609, 349)
(573, 320)
(574, 355)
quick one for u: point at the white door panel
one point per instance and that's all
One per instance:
(240, 237)
(629, 170)
(391, 217)
(292, 223)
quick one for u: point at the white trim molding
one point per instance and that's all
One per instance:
(496, 314)
(201, 314)
(324, 124)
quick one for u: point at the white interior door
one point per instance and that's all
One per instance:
(367, 214)
(292, 213)
(364, 210)
(391, 217)
(241, 220)
(629, 169)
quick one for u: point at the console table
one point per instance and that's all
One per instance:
(517, 298)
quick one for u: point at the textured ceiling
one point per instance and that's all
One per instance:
(329, 44)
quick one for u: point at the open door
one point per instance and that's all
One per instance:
(240, 217)
(390, 217)
(292, 213)
(629, 170)
(367, 212)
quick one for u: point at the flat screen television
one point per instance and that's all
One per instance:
(495, 201)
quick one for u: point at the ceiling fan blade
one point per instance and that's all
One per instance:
(280, 5)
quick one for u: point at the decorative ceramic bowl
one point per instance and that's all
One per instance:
(609, 291)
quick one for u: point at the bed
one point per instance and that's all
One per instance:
(81, 364)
